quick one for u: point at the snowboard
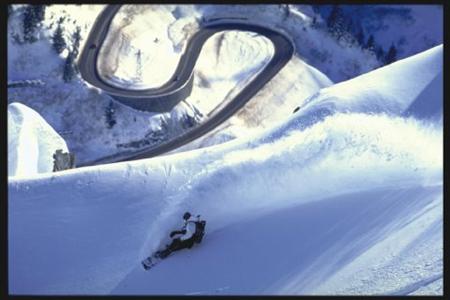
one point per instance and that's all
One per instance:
(154, 259)
(150, 262)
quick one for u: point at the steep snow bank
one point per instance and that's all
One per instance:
(31, 142)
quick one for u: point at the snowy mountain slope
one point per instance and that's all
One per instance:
(90, 122)
(295, 83)
(138, 58)
(405, 87)
(107, 230)
(339, 60)
(351, 197)
(409, 87)
(31, 142)
(66, 105)
(408, 260)
(410, 28)
(113, 127)
(39, 60)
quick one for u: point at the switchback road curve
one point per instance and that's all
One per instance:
(179, 87)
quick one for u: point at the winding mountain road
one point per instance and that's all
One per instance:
(179, 87)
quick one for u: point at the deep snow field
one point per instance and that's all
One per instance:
(344, 196)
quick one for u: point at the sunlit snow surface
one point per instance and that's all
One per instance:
(31, 142)
(138, 52)
(342, 197)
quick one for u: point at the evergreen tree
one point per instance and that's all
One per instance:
(32, 17)
(39, 12)
(139, 65)
(61, 20)
(349, 26)
(76, 37)
(59, 44)
(336, 22)
(370, 43)
(287, 11)
(69, 69)
(331, 20)
(391, 55)
(29, 24)
(316, 8)
(379, 52)
(109, 114)
(360, 37)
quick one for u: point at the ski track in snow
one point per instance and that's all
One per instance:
(410, 289)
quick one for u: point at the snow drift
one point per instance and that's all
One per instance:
(31, 142)
(344, 204)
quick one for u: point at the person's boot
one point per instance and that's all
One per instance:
(164, 253)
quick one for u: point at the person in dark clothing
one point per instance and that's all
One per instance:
(192, 231)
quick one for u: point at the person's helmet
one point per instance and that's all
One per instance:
(186, 215)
